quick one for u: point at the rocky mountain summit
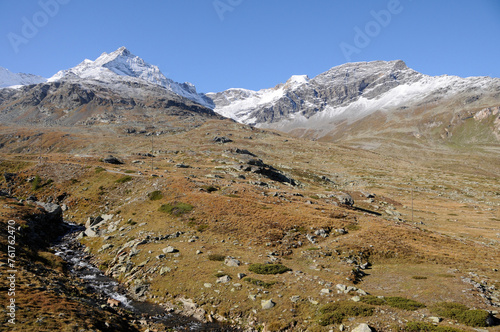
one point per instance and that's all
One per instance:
(356, 96)
(10, 79)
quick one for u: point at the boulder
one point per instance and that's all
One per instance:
(267, 304)
(223, 279)
(51, 208)
(230, 261)
(112, 160)
(169, 250)
(362, 328)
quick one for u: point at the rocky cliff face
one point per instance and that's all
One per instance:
(77, 102)
(342, 98)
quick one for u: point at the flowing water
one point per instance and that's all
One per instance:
(105, 288)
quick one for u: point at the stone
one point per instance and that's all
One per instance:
(112, 160)
(295, 298)
(207, 285)
(221, 139)
(169, 250)
(435, 319)
(223, 279)
(325, 291)
(232, 262)
(198, 252)
(362, 328)
(267, 304)
(106, 246)
(321, 232)
(241, 275)
(252, 297)
(355, 299)
(341, 287)
(51, 208)
(344, 198)
(164, 270)
(91, 232)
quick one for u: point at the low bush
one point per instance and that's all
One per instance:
(124, 179)
(373, 300)
(216, 258)
(268, 268)
(176, 209)
(155, 195)
(209, 189)
(460, 312)
(220, 274)
(428, 327)
(393, 301)
(336, 313)
(99, 169)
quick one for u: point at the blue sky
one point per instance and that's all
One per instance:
(253, 44)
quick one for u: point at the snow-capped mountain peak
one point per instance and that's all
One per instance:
(122, 65)
(13, 80)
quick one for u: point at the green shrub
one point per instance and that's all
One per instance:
(220, 274)
(176, 209)
(155, 195)
(394, 301)
(128, 171)
(260, 283)
(428, 327)
(202, 228)
(37, 183)
(419, 277)
(373, 300)
(99, 169)
(335, 313)
(403, 303)
(268, 268)
(209, 189)
(460, 312)
(216, 257)
(124, 179)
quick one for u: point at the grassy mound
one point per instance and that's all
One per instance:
(176, 209)
(335, 313)
(268, 268)
(459, 312)
(393, 301)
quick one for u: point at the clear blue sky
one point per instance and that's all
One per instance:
(254, 44)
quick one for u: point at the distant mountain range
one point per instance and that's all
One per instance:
(362, 101)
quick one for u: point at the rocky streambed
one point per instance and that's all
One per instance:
(108, 293)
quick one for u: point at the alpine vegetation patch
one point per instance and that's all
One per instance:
(223, 6)
(31, 26)
(363, 36)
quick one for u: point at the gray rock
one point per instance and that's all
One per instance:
(341, 287)
(224, 279)
(362, 328)
(295, 298)
(267, 304)
(112, 160)
(311, 238)
(435, 319)
(91, 232)
(230, 261)
(164, 270)
(169, 250)
(221, 139)
(51, 208)
(344, 198)
(241, 275)
(321, 232)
